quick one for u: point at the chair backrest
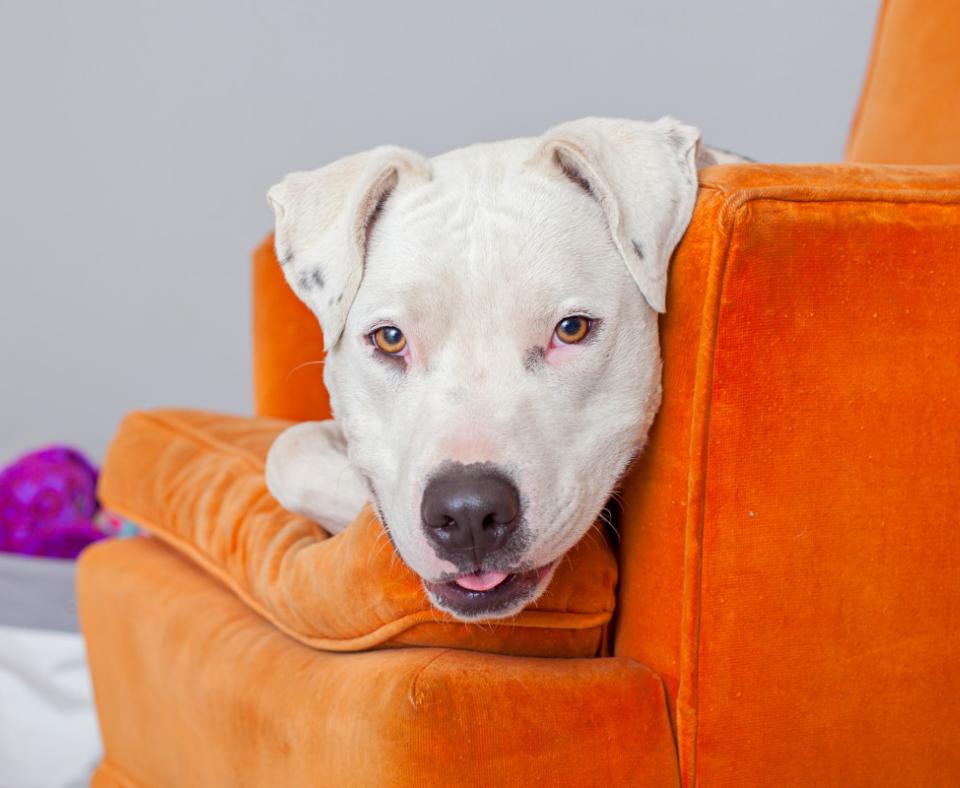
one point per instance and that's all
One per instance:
(909, 110)
(287, 346)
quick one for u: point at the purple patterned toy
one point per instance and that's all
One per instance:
(48, 504)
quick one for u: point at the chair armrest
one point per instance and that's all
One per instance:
(194, 689)
(790, 534)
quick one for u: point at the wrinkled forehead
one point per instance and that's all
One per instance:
(490, 223)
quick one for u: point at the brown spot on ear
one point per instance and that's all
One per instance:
(311, 279)
(638, 249)
(533, 359)
(567, 167)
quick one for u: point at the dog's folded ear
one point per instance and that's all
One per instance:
(323, 221)
(644, 175)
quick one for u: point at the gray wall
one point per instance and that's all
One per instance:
(137, 140)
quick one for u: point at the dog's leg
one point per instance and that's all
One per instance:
(308, 473)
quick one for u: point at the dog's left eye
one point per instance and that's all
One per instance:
(572, 329)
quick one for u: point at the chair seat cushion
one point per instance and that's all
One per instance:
(196, 481)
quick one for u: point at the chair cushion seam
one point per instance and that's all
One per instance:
(185, 430)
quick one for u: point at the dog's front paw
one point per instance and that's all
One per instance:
(308, 473)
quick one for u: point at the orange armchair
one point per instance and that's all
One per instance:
(788, 605)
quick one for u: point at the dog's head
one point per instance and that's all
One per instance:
(490, 318)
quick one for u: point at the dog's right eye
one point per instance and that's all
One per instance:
(572, 329)
(389, 339)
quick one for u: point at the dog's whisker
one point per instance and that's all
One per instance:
(379, 545)
(301, 366)
(595, 530)
(606, 517)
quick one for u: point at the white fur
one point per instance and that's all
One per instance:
(476, 255)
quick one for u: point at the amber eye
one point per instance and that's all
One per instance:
(572, 329)
(389, 339)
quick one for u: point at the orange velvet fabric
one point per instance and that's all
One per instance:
(287, 346)
(196, 480)
(790, 537)
(909, 111)
(193, 690)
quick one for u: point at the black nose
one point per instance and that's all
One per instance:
(469, 511)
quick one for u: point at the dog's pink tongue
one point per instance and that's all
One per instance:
(481, 581)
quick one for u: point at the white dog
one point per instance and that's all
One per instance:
(492, 350)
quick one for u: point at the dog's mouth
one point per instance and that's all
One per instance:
(487, 594)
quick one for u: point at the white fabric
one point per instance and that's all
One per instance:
(48, 727)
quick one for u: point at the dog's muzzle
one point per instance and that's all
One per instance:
(472, 516)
